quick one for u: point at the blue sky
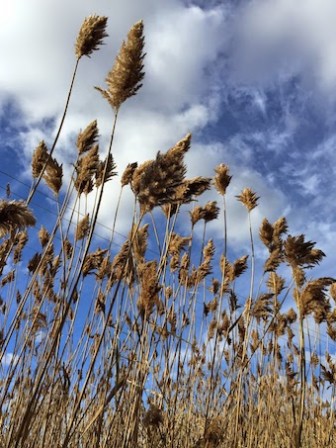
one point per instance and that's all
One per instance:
(254, 81)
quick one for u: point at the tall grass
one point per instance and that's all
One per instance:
(152, 343)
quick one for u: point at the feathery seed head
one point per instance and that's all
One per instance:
(196, 214)
(124, 80)
(280, 226)
(222, 178)
(150, 288)
(40, 157)
(105, 170)
(299, 252)
(83, 227)
(93, 261)
(161, 181)
(88, 137)
(91, 35)
(273, 261)
(43, 236)
(248, 198)
(240, 266)
(211, 211)
(275, 283)
(53, 175)
(14, 215)
(128, 173)
(86, 169)
(266, 232)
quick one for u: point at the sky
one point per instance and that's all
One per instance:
(253, 81)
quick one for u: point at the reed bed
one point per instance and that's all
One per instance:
(162, 341)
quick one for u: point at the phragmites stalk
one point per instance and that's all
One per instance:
(313, 298)
(43, 236)
(196, 214)
(190, 188)
(211, 211)
(150, 288)
(205, 267)
(53, 175)
(86, 169)
(93, 261)
(275, 283)
(299, 252)
(88, 137)
(266, 233)
(128, 174)
(21, 239)
(40, 157)
(248, 198)
(83, 227)
(91, 35)
(105, 170)
(156, 182)
(239, 266)
(122, 267)
(124, 80)
(14, 215)
(139, 242)
(222, 178)
(273, 261)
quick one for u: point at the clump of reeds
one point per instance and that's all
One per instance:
(170, 337)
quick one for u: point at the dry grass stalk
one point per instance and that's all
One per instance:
(128, 174)
(156, 182)
(39, 159)
(91, 35)
(104, 175)
(150, 288)
(83, 227)
(14, 215)
(248, 198)
(53, 175)
(93, 261)
(222, 178)
(21, 240)
(44, 236)
(124, 80)
(88, 138)
(86, 170)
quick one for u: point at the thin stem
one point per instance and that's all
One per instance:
(34, 187)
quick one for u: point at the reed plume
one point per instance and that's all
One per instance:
(14, 215)
(105, 170)
(124, 80)
(222, 178)
(39, 159)
(155, 181)
(248, 198)
(83, 227)
(91, 35)
(53, 175)
(128, 174)
(87, 138)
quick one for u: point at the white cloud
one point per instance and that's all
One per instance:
(38, 40)
(181, 91)
(182, 44)
(284, 37)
